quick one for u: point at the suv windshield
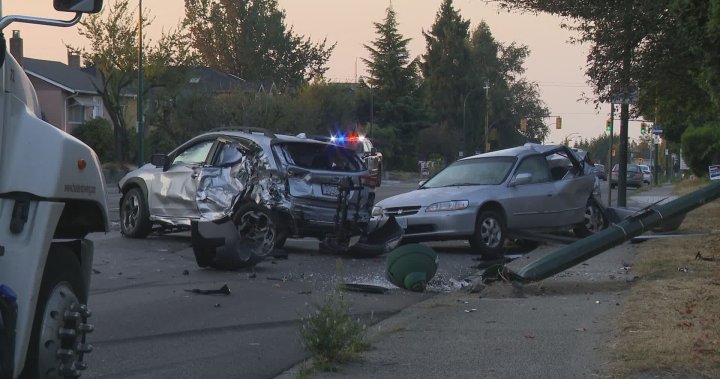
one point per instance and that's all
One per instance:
(320, 156)
(477, 171)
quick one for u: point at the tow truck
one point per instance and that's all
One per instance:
(52, 195)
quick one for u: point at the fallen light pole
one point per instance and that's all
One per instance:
(617, 233)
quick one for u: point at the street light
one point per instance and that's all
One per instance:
(566, 140)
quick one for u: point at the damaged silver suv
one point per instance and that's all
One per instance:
(243, 191)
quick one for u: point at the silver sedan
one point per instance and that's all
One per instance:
(488, 197)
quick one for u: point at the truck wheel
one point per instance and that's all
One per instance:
(489, 235)
(57, 341)
(134, 214)
(594, 222)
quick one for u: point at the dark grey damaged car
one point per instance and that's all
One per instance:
(243, 192)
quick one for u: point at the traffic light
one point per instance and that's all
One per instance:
(643, 128)
(523, 125)
(608, 124)
(558, 123)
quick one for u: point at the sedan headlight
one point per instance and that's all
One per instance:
(454, 205)
(377, 211)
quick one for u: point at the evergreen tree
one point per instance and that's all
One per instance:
(394, 84)
(445, 67)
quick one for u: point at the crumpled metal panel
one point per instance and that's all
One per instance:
(220, 188)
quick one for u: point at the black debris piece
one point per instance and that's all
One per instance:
(186, 272)
(224, 290)
(366, 288)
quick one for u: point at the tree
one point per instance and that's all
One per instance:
(113, 54)
(394, 86)
(445, 66)
(510, 96)
(249, 39)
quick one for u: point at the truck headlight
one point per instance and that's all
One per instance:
(377, 212)
(454, 205)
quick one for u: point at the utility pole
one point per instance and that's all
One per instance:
(622, 162)
(487, 115)
(140, 116)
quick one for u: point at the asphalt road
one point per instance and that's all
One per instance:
(149, 326)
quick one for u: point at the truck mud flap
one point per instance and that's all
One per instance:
(618, 232)
(379, 241)
(8, 323)
(219, 244)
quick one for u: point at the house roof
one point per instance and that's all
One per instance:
(61, 75)
(213, 80)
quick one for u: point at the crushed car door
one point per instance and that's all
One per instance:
(528, 203)
(173, 194)
(573, 187)
(233, 170)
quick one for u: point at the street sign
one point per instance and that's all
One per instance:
(714, 172)
(657, 131)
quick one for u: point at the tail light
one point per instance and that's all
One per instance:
(368, 181)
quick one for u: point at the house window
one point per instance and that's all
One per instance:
(97, 107)
(76, 114)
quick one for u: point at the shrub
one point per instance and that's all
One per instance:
(701, 147)
(330, 334)
(98, 134)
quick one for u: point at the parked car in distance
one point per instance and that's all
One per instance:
(264, 187)
(647, 174)
(600, 171)
(364, 148)
(489, 197)
(634, 177)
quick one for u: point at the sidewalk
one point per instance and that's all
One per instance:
(560, 327)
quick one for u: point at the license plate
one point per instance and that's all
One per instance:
(330, 190)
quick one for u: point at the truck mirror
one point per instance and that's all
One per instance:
(78, 6)
(373, 151)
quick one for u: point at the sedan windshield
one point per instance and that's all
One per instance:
(477, 171)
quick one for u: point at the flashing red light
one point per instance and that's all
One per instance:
(352, 137)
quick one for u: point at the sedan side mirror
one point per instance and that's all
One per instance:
(421, 183)
(160, 160)
(520, 179)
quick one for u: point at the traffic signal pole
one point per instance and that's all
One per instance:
(610, 151)
(622, 162)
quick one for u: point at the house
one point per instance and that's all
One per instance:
(67, 95)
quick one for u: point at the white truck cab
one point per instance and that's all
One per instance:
(52, 194)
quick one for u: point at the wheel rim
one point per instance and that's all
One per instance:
(62, 334)
(491, 232)
(130, 212)
(257, 227)
(593, 218)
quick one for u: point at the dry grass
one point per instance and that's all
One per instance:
(670, 325)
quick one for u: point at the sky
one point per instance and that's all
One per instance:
(554, 64)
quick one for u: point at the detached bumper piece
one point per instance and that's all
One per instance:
(218, 244)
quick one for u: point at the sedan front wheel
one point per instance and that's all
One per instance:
(594, 220)
(489, 235)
